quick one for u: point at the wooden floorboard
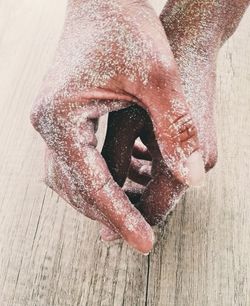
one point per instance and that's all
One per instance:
(51, 255)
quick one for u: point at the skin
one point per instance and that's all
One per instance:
(196, 30)
(109, 58)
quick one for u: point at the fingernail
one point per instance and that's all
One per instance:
(196, 173)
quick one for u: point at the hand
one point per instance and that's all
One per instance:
(195, 30)
(112, 53)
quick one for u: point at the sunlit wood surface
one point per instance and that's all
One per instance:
(51, 255)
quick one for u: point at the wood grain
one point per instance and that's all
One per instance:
(51, 255)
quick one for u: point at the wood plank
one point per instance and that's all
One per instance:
(50, 255)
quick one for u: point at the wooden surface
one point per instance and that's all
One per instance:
(51, 255)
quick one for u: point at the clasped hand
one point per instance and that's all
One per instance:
(114, 57)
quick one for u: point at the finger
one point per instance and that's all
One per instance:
(160, 197)
(123, 129)
(164, 190)
(69, 132)
(140, 151)
(58, 181)
(140, 171)
(174, 128)
(134, 191)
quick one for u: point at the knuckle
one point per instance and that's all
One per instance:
(63, 124)
(41, 114)
(183, 129)
(49, 117)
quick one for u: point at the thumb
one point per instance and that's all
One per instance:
(174, 128)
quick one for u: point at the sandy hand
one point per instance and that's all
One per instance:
(111, 51)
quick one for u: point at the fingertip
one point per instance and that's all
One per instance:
(143, 240)
(196, 170)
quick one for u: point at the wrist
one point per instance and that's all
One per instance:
(219, 18)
